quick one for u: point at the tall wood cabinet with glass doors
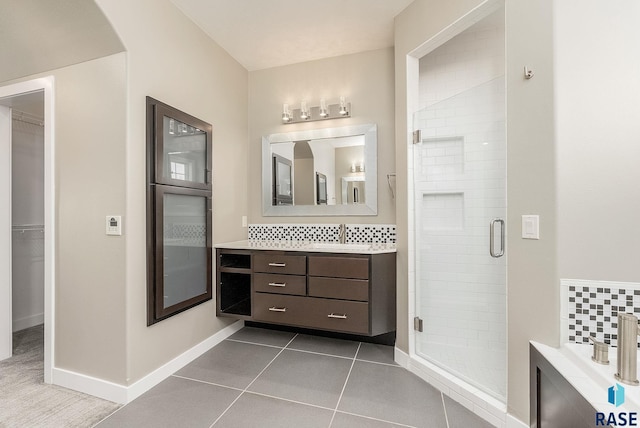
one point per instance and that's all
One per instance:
(179, 175)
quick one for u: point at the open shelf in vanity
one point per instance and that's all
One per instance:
(347, 292)
(233, 288)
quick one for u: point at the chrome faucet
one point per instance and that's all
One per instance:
(600, 351)
(342, 233)
(628, 331)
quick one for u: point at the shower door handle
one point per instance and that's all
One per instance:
(492, 234)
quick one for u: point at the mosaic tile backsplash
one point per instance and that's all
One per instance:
(592, 307)
(355, 233)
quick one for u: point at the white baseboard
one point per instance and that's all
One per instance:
(477, 401)
(160, 374)
(513, 422)
(27, 322)
(125, 394)
(89, 385)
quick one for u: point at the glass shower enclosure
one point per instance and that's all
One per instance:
(459, 190)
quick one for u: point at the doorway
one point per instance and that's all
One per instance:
(27, 213)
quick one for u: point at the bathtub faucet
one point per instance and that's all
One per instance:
(628, 331)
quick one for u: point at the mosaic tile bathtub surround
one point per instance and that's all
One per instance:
(355, 233)
(590, 308)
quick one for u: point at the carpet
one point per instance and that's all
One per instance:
(27, 402)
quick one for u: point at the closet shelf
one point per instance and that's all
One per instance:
(27, 227)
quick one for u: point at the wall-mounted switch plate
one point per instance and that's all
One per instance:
(244, 221)
(530, 227)
(114, 225)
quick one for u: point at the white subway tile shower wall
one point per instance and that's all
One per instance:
(590, 308)
(355, 233)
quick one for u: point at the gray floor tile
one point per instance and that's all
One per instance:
(253, 410)
(393, 394)
(343, 420)
(263, 336)
(308, 378)
(376, 353)
(174, 402)
(461, 417)
(230, 363)
(325, 345)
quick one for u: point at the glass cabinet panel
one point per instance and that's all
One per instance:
(185, 152)
(185, 248)
(183, 149)
(282, 183)
(183, 245)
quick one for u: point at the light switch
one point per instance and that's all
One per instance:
(531, 227)
(114, 225)
(244, 221)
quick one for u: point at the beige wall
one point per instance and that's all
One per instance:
(90, 171)
(598, 137)
(172, 60)
(532, 276)
(532, 280)
(366, 79)
(100, 170)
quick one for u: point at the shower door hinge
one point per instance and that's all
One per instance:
(417, 324)
(417, 137)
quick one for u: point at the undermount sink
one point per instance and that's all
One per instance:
(338, 246)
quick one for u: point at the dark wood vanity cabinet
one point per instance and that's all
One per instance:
(350, 293)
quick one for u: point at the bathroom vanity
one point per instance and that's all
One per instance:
(348, 288)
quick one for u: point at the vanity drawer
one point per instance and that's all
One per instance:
(338, 315)
(281, 284)
(275, 263)
(325, 314)
(341, 267)
(339, 288)
(280, 308)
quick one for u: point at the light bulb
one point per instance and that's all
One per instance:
(286, 113)
(323, 108)
(304, 112)
(343, 106)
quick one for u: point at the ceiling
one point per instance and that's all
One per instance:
(41, 35)
(270, 33)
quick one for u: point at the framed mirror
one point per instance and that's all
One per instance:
(320, 172)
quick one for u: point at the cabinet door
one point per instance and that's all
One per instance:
(183, 249)
(183, 149)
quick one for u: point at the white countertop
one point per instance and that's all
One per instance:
(306, 246)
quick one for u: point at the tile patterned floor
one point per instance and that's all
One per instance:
(268, 378)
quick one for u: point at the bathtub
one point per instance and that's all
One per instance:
(589, 379)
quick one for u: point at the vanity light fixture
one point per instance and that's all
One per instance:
(357, 167)
(181, 129)
(323, 112)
